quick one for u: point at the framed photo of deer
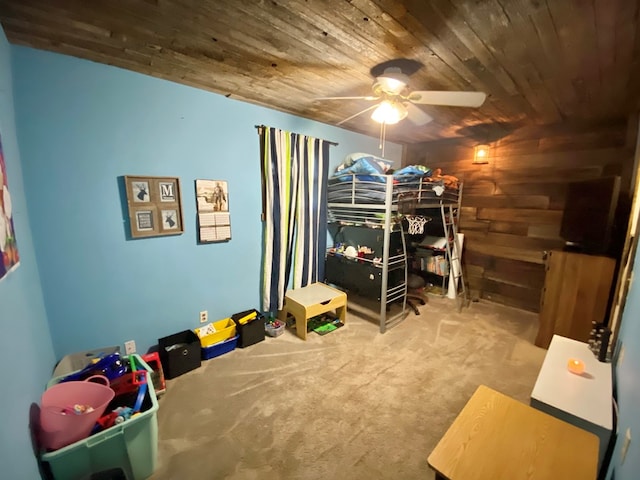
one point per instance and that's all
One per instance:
(154, 205)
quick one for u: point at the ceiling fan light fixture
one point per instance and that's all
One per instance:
(389, 112)
(392, 81)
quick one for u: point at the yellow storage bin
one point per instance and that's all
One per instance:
(216, 332)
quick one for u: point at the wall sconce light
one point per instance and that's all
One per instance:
(481, 154)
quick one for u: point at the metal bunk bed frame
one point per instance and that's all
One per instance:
(379, 216)
(387, 216)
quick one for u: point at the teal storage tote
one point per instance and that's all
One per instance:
(131, 446)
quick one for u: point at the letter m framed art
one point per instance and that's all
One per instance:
(154, 206)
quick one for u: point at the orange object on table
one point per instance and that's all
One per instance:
(575, 365)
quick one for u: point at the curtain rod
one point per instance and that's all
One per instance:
(259, 127)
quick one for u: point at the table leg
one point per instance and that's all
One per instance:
(301, 326)
(342, 313)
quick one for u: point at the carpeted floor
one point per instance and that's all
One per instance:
(352, 404)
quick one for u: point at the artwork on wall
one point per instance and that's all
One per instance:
(9, 258)
(154, 206)
(214, 220)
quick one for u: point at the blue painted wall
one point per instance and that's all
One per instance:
(26, 355)
(628, 384)
(81, 125)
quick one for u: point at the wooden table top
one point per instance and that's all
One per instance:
(314, 293)
(497, 437)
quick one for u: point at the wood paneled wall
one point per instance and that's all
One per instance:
(512, 207)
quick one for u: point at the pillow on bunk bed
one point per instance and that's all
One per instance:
(363, 164)
(411, 172)
(352, 158)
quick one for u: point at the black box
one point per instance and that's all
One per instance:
(179, 353)
(250, 332)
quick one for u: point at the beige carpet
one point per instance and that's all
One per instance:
(353, 404)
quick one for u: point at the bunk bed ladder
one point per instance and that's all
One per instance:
(450, 221)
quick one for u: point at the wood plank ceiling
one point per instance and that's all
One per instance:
(540, 61)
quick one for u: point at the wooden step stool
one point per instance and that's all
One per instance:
(310, 301)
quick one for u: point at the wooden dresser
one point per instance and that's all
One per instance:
(576, 292)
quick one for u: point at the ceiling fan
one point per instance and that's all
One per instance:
(396, 101)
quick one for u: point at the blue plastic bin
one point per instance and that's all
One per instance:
(219, 348)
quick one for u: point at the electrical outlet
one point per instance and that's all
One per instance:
(625, 445)
(130, 347)
(204, 316)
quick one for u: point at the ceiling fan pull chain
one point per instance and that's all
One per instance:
(382, 135)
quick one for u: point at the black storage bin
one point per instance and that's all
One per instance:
(179, 353)
(251, 332)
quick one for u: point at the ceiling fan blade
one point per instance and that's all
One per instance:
(347, 98)
(359, 113)
(452, 99)
(417, 116)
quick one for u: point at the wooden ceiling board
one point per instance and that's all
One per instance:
(544, 47)
(539, 61)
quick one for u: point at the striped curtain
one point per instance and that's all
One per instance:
(295, 169)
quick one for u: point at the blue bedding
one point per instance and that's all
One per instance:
(369, 168)
(362, 178)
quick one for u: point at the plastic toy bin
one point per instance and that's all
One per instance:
(219, 348)
(222, 330)
(131, 446)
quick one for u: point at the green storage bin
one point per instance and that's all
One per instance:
(131, 446)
